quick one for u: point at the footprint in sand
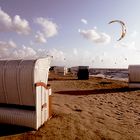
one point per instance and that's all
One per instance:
(116, 106)
(118, 113)
(100, 120)
(57, 104)
(90, 112)
(95, 98)
(101, 103)
(75, 108)
(127, 111)
(136, 112)
(119, 118)
(67, 105)
(108, 115)
(78, 110)
(109, 102)
(138, 123)
(99, 107)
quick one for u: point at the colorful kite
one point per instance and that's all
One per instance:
(123, 33)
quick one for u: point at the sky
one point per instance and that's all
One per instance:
(74, 32)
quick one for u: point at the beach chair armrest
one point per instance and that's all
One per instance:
(46, 86)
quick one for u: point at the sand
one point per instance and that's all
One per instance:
(94, 109)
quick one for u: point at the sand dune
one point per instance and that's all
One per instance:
(93, 109)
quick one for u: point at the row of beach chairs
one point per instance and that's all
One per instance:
(25, 96)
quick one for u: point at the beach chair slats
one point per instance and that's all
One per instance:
(17, 116)
(16, 82)
(26, 82)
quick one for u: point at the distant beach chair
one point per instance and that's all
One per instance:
(83, 73)
(25, 97)
(134, 76)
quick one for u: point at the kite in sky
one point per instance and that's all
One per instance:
(123, 33)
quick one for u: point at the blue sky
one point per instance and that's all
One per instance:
(75, 32)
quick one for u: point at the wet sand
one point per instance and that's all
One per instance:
(94, 109)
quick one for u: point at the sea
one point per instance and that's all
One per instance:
(110, 73)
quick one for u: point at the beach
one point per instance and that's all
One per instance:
(69, 70)
(94, 109)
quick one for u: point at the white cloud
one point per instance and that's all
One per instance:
(12, 44)
(24, 52)
(40, 38)
(21, 26)
(9, 50)
(6, 48)
(84, 21)
(134, 34)
(90, 34)
(49, 28)
(94, 36)
(75, 51)
(104, 38)
(7, 45)
(5, 21)
(129, 45)
(57, 54)
(95, 28)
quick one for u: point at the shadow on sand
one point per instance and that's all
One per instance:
(62, 79)
(96, 91)
(9, 130)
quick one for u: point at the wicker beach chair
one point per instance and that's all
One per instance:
(134, 76)
(24, 94)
